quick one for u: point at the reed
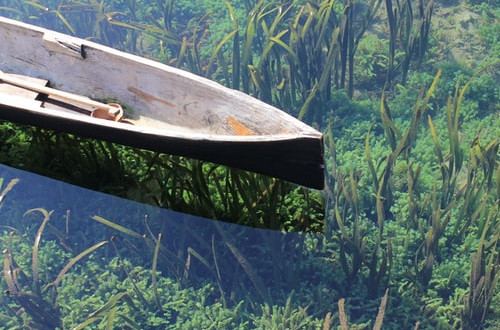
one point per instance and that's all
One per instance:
(34, 262)
(7, 188)
(214, 270)
(408, 34)
(353, 29)
(294, 57)
(315, 43)
(402, 147)
(343, 318)
(438, 221)
(132, 279)
(43, 312)
(484, 274)
(73, 261)
(253, 275)
(154, 275)
(381, 311)
(177, 183)
(108, 311)
(160, 252)
(473, 191)
(342, 314)
(353, 245)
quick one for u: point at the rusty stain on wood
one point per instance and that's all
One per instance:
(238, 128)
(148, 97)
(174, 111)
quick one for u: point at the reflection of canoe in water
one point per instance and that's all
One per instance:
(164, 109)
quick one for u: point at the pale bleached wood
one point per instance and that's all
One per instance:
(26, 84)
(19, 101)
(153, 90)
(7, 89)
(173, 110)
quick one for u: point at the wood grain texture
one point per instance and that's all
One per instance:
(172, 110)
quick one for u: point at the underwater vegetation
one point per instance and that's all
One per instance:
(409, 238)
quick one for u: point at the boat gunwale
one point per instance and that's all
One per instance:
(135, 60)
(296, 156)
(181, 133)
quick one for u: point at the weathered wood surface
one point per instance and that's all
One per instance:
(12, 95)
(173, 111)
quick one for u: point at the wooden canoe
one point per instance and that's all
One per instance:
(165, 109)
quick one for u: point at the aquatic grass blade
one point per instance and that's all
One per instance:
(369, 159)
(8, 188)
(111, 303)
(484, 276)
(249, 36)
(64, 20)
(498, 181)
(34, 254)
(182, 52)
(60, 236)
(342, 314)
(437, 146)
(157, 32)
(133, 324)
(218, 49)
(237, 179)
(432, 88)
(113, 21)
(73, 261)
(127, 273)
(37, 5)
(391, 132)
(111, 319)
(269, 46)
(12, 10)
(86, 323)
(245, 264)
(310, 97)
(117, 227)
(252, 274)
(381, 311)
(379, 203)
(8, 273)
(200, 258)
(154, 276)
(340, 222)
(217, 273)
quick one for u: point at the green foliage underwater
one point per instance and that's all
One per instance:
(405, 234)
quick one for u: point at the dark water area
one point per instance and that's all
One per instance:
(80, 205)
(242, 262)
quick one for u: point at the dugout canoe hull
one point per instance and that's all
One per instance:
(166, 109)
